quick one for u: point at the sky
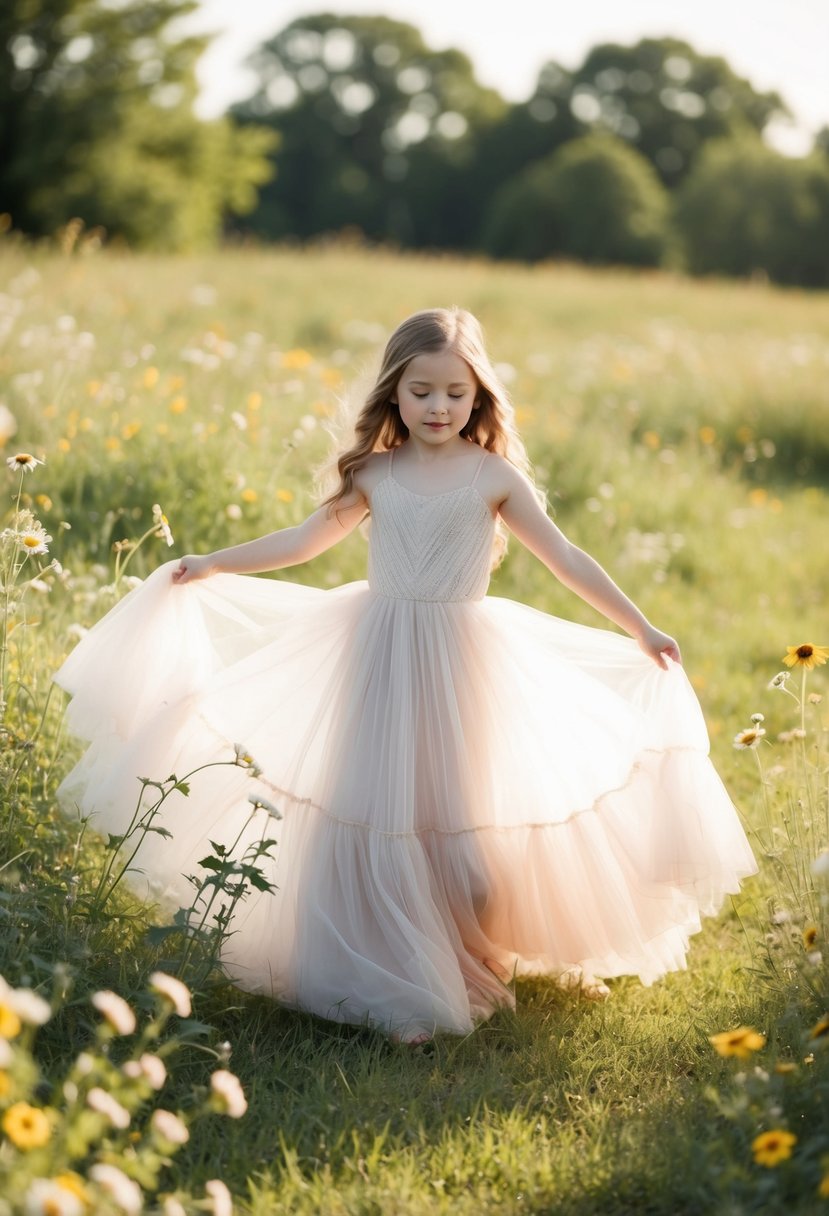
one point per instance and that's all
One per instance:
(775, 44)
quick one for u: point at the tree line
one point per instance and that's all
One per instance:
(644, 155)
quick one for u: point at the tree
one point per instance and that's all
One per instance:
(746, 209)
(376, 131)
(96, 121)
(595, 199)
(667, 100)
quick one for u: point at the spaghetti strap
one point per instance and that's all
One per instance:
(480, 466)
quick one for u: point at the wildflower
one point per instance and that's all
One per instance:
(34, 539)
(7, 1055)
(285, 495)
(749, 738)
(820, 866)
(29, 1007)
(169, 1127)
(104, 1104)
(125, 1193)
(239, 420)
(178, 405)
(162, 523)
(295, 360)
(820, 1028)
(268, 807)
(229, 1092)
(47, 1197)
(823, 1189)
(810, 936)
(116, 1011)
(10, 1023)
(814, 958)
(814, 698)
(770, 1148)
(784, 1067)
(808, 655)
(177, 993)
(8, 424)
(757, 719)
(26, 1126)
(172, 1207)
(149, 1067)
(233, 511)
(249, 495)
(740, 1042)
(222, 1201)
(245, 760)
(779, 681)
(254, 401)
(23, 460)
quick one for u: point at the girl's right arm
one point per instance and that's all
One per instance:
(287, 547)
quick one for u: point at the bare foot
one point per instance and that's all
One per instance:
(595, 990)
(497, 970)
(416, 1040)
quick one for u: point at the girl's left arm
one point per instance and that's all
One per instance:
(526, 519)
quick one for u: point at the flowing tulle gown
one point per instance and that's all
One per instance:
(468, 784)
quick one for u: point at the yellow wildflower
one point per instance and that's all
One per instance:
(295, 360)
(807, 655)
(64, 445)
(254, 401)
(26, 1126)
(130, 429)
(823, 1189)
(150, 377)
(707, 435)
(178, 405)
(9, 1022)
(770, 1148)
(758, 497)
(651, 440)
(249, 494)
(740, 1042)
(285, 495)
(784, 1067)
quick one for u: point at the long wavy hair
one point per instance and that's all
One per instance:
(378, 426)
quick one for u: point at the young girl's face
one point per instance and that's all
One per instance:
(436, 395)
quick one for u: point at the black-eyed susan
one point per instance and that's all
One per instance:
(810, 936)
(26, 1126)
(23, 460)
(740, 1042)
(750, 737)
(770, 1148)
(820, 1028)
(806, 655)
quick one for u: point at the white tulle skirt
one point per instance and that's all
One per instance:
(467, 788)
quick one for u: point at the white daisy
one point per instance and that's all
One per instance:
(169, 1127)
(125, 1193)
(228, 1090)
(116, 1011)
(23, 460)
(177, 993)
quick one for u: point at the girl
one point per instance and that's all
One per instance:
(471, 789)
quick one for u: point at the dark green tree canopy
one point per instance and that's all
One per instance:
(96, 121)
(746, 209)
(373, 126)
(595, 199)
(661, 96)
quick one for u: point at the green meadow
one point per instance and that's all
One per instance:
(681, 431)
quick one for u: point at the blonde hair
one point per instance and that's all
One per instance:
(378, 426)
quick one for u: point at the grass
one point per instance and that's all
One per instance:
(679, 428)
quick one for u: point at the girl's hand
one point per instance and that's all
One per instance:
(192, 567)
(657, 645)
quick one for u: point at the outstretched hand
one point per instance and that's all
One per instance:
(192, 567)
(657, 645)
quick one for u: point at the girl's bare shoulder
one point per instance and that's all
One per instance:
(369, 475)
(497, 478)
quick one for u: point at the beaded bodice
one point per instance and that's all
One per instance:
(435, 547)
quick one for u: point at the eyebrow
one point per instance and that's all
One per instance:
(454, 384)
